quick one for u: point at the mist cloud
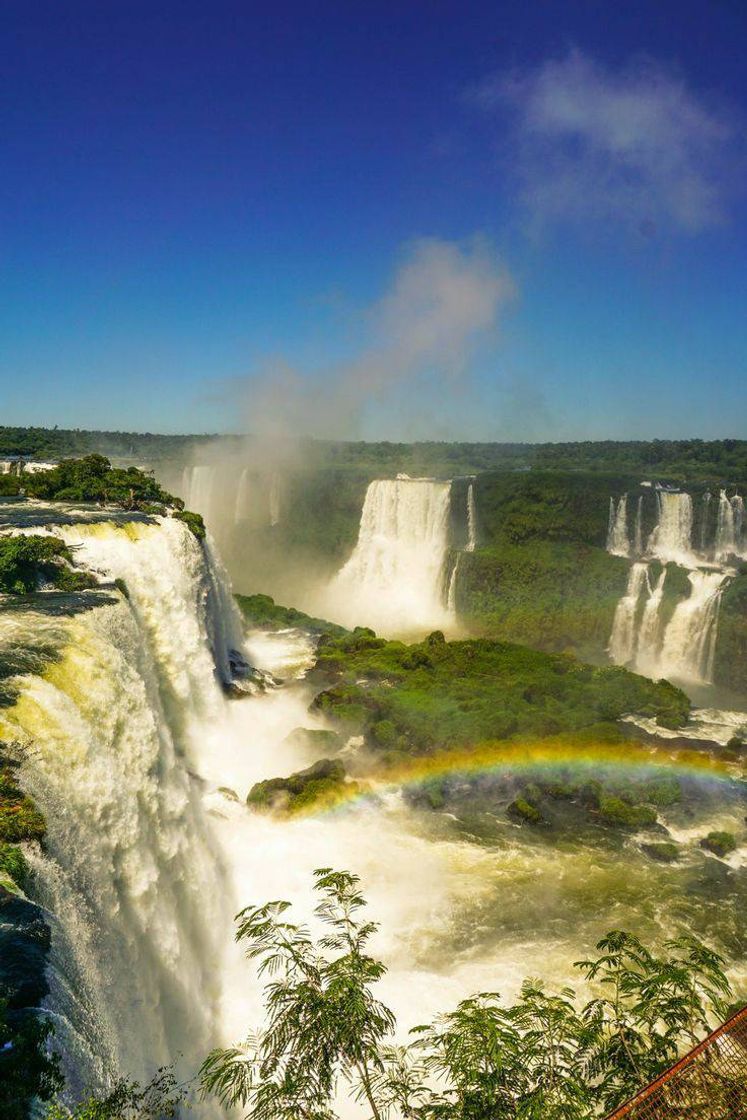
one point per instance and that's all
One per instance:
(418, 342)
(590, 143)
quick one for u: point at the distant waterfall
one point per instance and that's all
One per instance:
(471, 520)
(672, 537)
(729, 527)
(241, 506)
(451, 595)
(131, 878)
(638, 538)
(650, 629)
(617, 529)
(623, 640)
(395, 575)
(689, 642)
(683, 649)
(274, 500)
(198, 487)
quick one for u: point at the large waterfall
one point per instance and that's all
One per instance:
(394, 579)
(678, 643)
(133, 882)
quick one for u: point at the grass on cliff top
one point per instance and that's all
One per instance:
(437, 694)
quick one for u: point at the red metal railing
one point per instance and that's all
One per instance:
(709, 1083)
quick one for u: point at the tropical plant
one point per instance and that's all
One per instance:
(546, 1057)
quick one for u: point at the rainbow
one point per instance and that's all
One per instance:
(548, 756)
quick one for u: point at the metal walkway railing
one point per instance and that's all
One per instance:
(709, 1083)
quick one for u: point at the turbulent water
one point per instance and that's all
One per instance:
(141, 762)
(394, 579)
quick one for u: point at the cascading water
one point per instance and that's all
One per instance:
(689, 642)
(394, 579)
(617, 529)
(198, 487)
(241, 505)
(471, 520)
(672, 537)
(622, 645)
(649, 637)
(132, 878)
(638, 535)
(274, 500)
(729, 527)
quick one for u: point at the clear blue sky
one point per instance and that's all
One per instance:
(190, 190)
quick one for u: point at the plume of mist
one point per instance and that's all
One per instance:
(591, 143)
(413, 361)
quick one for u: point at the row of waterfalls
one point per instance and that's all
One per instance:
(654, 633)
(718, 536)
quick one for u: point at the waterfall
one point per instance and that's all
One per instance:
(136, 892)
(729, 527)
(622, 645)
(471, 520)
(638, 538)
(241, 507)
(738, 507)
(395, 575)
(617, 530)
(451, 596)
(198, 488)
(672, 537)
(704, 522)
(649, 632)
(689, 642)
(275, 500)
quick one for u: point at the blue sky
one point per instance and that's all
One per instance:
(506, 220)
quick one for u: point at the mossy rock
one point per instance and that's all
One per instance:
(522, 810)
(314, 737)
(20, 820)
(13, 865)
(664, 852)
(322, 783)
(613, 810)
(719, 843)
(193, 521)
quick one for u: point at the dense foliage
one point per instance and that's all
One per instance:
(675, 459)
(27, 561)
(26, 1067)
(93, 479)
(261, 611)
(161, 1099)
(548, 1056)
(437, 694)
(554, 596)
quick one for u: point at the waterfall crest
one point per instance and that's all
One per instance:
(395, 575)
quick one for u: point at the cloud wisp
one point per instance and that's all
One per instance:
(590, 143)
(420, 337)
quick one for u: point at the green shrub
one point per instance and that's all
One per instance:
(720, 843)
